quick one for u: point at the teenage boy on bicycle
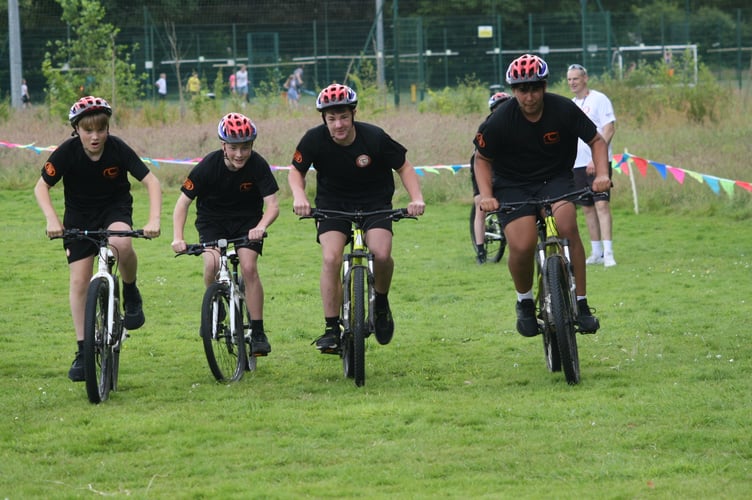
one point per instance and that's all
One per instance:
(529, 145)
(354, 163)
(236, 195)
(94, 167)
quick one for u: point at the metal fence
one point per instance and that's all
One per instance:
(416, 53)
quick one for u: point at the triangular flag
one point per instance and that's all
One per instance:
(677, 173)
(642, 165)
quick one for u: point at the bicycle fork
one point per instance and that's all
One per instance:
(104, 271)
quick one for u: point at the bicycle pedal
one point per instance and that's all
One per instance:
(330, 351)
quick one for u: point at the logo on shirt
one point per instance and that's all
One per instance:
(297, 157)
(49, 169)
(362, 161)
(551, 137)
(111, 172)
(245, 187)
(188, 185)
(479, 140)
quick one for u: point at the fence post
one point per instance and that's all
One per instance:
(632, 182)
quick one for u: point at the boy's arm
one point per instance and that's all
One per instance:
(300, 203)
(271, 211)
(44, 200)
(152, 227)
(410, 180)
(179, 216)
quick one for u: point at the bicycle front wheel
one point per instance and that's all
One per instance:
(359, 324)
(97, 353)
(224, 343)
(562, 315)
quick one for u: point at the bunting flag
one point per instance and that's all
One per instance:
(622, 163)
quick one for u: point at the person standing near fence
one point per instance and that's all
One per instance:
(597, 208)
(241, 82)
(94, 168)
(161, 85)
(525, 150)
(25, 98)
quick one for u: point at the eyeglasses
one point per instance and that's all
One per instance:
(578, 67)
(528, 87)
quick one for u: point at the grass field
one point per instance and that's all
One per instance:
(458, 406)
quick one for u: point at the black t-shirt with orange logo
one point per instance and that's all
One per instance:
(523, 151)
(354, 177)
(93, 185)
(224, 194)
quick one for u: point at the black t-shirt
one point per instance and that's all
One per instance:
(222, 193)
(92, 185)
(523, 151)
(358, 176)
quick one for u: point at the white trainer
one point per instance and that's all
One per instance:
(594, 259)
(608, 260)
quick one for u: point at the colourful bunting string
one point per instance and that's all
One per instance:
(621, 162)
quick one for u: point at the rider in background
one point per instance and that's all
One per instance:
(529, 146)
(94, 167)
(479, 224)
(236, 195)
(354, 162)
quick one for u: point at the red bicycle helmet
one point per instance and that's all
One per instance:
(497, 99)
(86, 106)
(527, 68)
(336, 95)
(235, 128)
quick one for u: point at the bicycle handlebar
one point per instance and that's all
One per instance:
(100, 234)
(199, 248)
(357, 216)
(511, 206)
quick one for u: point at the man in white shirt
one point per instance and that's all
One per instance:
(597, 209)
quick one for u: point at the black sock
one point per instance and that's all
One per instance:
(80, 344)
(481, 249)
(332, 323)
(129, 290)
(381, 301)
(257, 325)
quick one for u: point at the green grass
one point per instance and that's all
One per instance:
(457, 406)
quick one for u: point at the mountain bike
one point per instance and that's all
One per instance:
(225, 320)
(556, 298)
(358, 287)
(104, 330)
(494, 241)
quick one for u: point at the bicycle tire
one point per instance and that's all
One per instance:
(551, 348)
(359, 324)
(224, 344)
(250, 359)
(494, 241)
(97, 354)
(562, 317)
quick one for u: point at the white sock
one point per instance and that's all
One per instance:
(608, 247)
(526, 295)
(597, 247)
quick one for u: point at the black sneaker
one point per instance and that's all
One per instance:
(134, 313)
(585, 320)
(527, 323)
(482, 257)
(260, 344)
(383, 326)
(76, 371)
(329, 342)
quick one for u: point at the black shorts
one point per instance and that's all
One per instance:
(556, 186)
(582, 179)
(212, 230)
(345, 227)
(80, 249)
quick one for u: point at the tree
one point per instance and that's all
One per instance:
(90, 62)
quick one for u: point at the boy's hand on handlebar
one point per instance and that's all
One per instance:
(301, 207)
(151, 229)
(415, 208)
(601, 184)
(256, 234)
(489, 204)
(179, 246)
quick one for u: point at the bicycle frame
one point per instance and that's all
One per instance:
(358, 256)
(105, 265)
(230, 279)
(550, 243)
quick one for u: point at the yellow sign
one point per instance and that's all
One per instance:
(485, 31)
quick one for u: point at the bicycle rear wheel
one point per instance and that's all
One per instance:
(98, 354)
(493, 241)
(359, 324)
(562, 317)
(224, 343)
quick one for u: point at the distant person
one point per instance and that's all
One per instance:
(597, 208)
(236, 196)
(479, 224)
(302, 88)
(25, 98)
(293, 85)
(241, 82)
(526, 149)
(161, 85)
(94, 168)
(194, 84)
